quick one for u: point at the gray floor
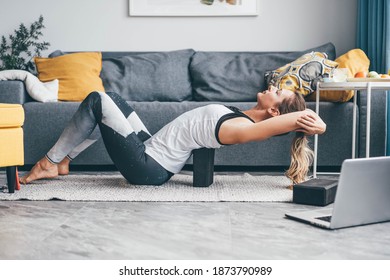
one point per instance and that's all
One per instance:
(92, 230)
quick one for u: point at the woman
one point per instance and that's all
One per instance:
(152, 160)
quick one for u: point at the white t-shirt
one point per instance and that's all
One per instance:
(173, 144)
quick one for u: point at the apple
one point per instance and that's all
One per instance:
(361, 74)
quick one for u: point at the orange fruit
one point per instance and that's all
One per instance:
(361, 74)
(385, 76)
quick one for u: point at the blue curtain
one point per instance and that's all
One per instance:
(373, 37)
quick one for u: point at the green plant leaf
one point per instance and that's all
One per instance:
(22, 46)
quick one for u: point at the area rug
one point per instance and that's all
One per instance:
(113, 187)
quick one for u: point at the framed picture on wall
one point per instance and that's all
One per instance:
(193, 7)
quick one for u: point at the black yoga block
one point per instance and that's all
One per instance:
(203, 161)
(319, 192)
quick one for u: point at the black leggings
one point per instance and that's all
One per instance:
(123, 134)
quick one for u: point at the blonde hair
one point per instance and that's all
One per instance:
(301, 154)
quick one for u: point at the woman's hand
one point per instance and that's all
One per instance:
(310, 123)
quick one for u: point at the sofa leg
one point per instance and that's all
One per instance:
(17, 183)
(203, 160)
(11, 178)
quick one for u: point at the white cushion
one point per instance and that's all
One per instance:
(39, 91)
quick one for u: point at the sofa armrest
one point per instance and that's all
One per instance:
(13, 92)
(378, 123)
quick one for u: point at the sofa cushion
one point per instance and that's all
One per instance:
(78, 74)
(354, 61)
(238, 76)
(156, 76)
(303, 74)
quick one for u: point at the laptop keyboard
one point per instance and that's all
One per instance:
(325, 218)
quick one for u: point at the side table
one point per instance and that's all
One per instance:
(357, 84)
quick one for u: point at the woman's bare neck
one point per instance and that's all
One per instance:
(256, 114)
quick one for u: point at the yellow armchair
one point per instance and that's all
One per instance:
(11, 142)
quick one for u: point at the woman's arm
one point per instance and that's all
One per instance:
(237, 131)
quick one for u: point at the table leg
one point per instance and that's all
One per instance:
(316, 135)
(368, 120)
(354, 125)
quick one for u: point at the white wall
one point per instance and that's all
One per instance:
(282, 25)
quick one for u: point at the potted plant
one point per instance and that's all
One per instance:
(23, 45)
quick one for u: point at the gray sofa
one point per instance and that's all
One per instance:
(162, 85)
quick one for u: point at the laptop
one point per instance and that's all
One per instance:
(363, 196)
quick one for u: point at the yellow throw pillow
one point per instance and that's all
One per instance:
(302, 74)
(78, 74)
(355, 61)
